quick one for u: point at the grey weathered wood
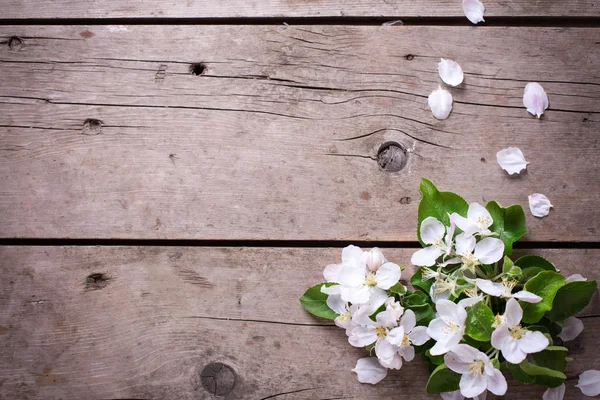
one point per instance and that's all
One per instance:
(289, 8)
(104, 133)
(143, 322)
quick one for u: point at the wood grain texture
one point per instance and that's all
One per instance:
(159, 315)
(105, 133)
(19, 9)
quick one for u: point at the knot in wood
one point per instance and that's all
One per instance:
(391, 157)
(218, 379)
(96, 281)
(15, 43)
(92, 127)
(197, 69)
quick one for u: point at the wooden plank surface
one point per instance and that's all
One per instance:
(105, 133)
(289, 8)
(142, 322)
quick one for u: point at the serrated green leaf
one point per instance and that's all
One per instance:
(438, 205)
(529, 273)
(553, 357)
(509, 223)
(546, 285)
(519, 374)
(571, 299)
(443, 379)
(507, 265)
(479, 322)
(415, 299)
(398, 288)
(543, 376)
(424, 314)
(417, 281)
(531, 261)
(315, 302)
(437, 360)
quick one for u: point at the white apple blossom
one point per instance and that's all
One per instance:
(535, 99)
(589, 383)
(539, 205)
(504, 289)
(433, 233)
(441, 290)
(557, 393)
(487, 251)
(374, 258)
(368, 370)
(473, 10)
(478, 220)
(571, 328)
(448, 328)
(450, 72)
(514, 341)
(440, 103)
(407, 335)
(478, 372)
(511, 160)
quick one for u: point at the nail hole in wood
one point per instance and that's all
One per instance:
(15, 43)
(96, 281)
(391, 157)
(197, 69)
(409, 57)
(218, 379)
(92, 127)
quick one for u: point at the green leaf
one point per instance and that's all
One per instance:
(398, 288)
(539, 328)
(518, 374)
(443, 379)
(479, 322)
(438, 205)
(545, 284)
(437, 360)
(571, 299)
(530, 273)
(417, 281)
(509, 223)
(535, 261)
(315, 302)
(543, 376)
(415, 299)
(423, 314)
(507, 265)
(553, 357)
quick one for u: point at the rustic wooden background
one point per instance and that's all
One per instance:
(173, 175)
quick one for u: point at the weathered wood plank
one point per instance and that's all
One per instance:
(278, 137)
(19, 9)
(129, 322)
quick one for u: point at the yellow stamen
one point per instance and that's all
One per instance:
(371, 281)
(517, 332)
(475, 368)
(484, 221)
(381, 331)
(406, 340)
(345, 317)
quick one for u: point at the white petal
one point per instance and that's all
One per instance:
(466, 225)
(374, 258)
(362, 336)
(454, 362)
(332, 272)
(450, 72)
(407, 352)
(492, 288)
(352, 276)
(465, 244)
(480, 215)
(439, 348)
(557, 393)
(452, 395)
(470, 301)
(385, 351)
(533, 342)
(369, 370)
(431, 230)
(511, 160)
(472, 385)
(418, 336)
(535, 99)
(473, 10)
(482, 396)
(336, 303)
(576, 278)
(329, 290)
(387, 275)
(450, 311)
(496, 383)
(512, 352)
(396, 336)
(440, 103)
(589, 383)
(466, 353)
(351, 254)
(408, 321)
(377, 299)
(513, 313)
(436, 295)
(527, 297)
(395, 363)
(500, 335)
(426, 257)
(539, 205)
(355, 295)
(489, 250)
(571, 328)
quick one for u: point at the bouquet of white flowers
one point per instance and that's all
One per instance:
(473, 313)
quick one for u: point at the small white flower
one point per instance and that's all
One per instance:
(571, 328)
(539, 205)
(478, 373)
(374, 258)
(369, 370)
(511, 160)
(535, 99)
(478, 220)
(432, 233)
(392, 313)
(351, 256)
(441, 290)
(448, 328)
(473, 10)
(514, 341)
(504, 289)
(557, 393)
(407, 335)
(589, 383)
(450, 72)
(348, 315)
(472, 299)
(440, 103)
(487, 251)
(576, 278)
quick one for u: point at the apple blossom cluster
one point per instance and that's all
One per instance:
(472, 314)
